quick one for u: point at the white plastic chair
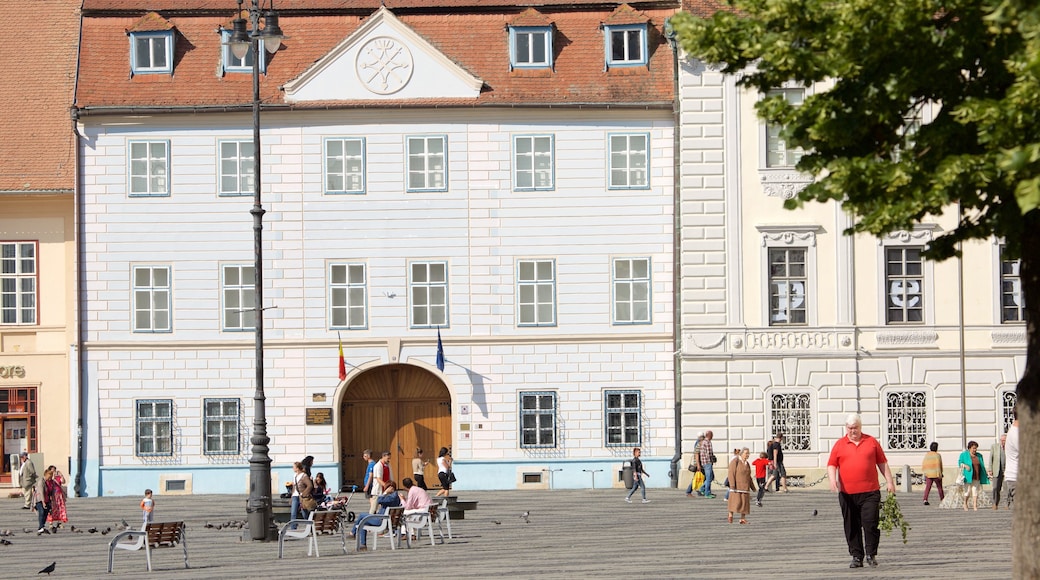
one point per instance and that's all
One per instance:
(376, 524)
(416, 521)
(443, 521)
(304, 530)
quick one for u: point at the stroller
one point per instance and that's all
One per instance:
(339, 503)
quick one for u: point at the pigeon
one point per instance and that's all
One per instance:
(814, 512)
(524, 516)
(209, 525)
(497, 523)
(126, 526)
(92, 530)
(72, 528)
(48, 569)
(5, 542)
(27, 530)
(105, 531)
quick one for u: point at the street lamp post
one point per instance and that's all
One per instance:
(243, 42)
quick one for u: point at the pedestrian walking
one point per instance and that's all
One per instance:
(760, 476)
(974, 472)
(996, 468)
(932, 468)
(1011, 459)
(740, 486)
(707, 461)
(637, 476)
(27, 478)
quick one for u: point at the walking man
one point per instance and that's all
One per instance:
(852, 470)
(996, 468)
(695, 462)
(776, 455)
(707, 460)
(1011, 459)
(27, 479)
(637, 476)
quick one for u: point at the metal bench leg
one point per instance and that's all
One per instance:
(148, 554)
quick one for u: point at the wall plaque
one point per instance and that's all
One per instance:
(319, 415)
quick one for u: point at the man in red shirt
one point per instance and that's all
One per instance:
(853, 472)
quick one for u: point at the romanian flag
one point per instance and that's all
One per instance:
(440, 352)
(342, 361)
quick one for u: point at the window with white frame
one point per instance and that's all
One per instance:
(151, 52)
(237, 168)
(536, 292)
(428, 288)
(234, 64)
(239, 289)
(791, 414)
(906, 415)
(622, 410)
(149, 168)
(345, 165)
(531, 46)
(221, 424)
(347, 301)
(18, 271)
(629, 159)
(532, 162)
(788, 284)
(427, 163)
(537, 420)
(151, 298)
(154, 432)
(778, 152)
(1012, 303)
(631, 290)
(904, 284)
(626, 45)
(1008, 400)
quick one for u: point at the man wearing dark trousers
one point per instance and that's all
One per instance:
(853, 473)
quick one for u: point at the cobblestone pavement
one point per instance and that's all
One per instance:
(569, 534)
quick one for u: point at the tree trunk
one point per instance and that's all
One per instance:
(1025, 524)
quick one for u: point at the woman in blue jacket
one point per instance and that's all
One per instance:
(974, 470)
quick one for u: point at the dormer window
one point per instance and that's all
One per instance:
(530, 46)
(232, 63)
(626, 45)
(151, 52)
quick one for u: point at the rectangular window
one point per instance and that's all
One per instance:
(623, 411)
(533, 162)
(237, 168)
(151, 52)
(149, 168)
(239, 298)
(245, 64)
(906, 414)
(788, 280)
(345, 165)
(18, 270)
(626, 45)
(631, 291)
(532, 46)
(348, 307)
(428, 289)
(778, 153)
(537, 420)
(1012, 304)
(221, 425)
(154, 427)
(536, 291)
(151, 299)
(427, 167)
(629, 159)
(790, 414)
(904, 284)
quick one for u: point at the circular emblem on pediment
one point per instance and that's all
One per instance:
(384, 65)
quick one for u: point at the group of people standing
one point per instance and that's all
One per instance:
(47, 495)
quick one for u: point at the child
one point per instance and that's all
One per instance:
(760, 476)
(147, 506)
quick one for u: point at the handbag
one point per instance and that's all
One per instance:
(713, 459)
(308, 503)
(451, 477)
(693, 468)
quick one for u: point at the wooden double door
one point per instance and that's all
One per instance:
(394, 408)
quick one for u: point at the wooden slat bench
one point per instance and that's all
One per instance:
(154, 535)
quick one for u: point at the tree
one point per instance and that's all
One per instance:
(978, 63)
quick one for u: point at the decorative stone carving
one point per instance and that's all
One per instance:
(783, 184)
(921, 234)
(384, 65)
(738, 342)
(907, 338)
(846, 341)
(1009, 337)
(791, 340)
(706, 342)
(788, 238)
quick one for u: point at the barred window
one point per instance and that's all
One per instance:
(154, 427)
(221, 426)
(537, 420)
(791, 414)
(1008, 399)
(907, 419)
(623, 410)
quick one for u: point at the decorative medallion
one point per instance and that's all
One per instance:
(384, 65)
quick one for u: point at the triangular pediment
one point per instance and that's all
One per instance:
(384, 59)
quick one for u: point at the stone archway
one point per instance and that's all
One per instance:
(395, 408)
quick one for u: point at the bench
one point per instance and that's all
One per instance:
(154, 535)
(319, 523)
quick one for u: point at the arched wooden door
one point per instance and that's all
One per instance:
(393, 408)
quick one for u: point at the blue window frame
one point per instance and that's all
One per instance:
(232, 63)
(221, 426)
(631, 277)
(154, 429)
(152, 299)
(530, 46)
(149, 168)
(151, 52)
(536, 292)
(347, 303)
(537, 419)
(626, 45)
(533, 166)
(345, 165)
(427, 163)
(239, 289)
(622, 410)
(428, 293)
(629, 159)
(237, 168)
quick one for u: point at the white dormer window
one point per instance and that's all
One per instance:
(530, 46)
(151, 52)
(232, 63)
(626, 45)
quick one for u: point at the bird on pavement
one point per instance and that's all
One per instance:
(524, 516)
(5, 542)
(92, 530)
(814, 512)
(48, 569)
(497, 523)
(126, 526)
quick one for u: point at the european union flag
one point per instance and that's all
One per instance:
(440, 352)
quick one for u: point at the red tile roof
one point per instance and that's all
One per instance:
(37, 78)
(474, 37)
(151, 22)
(706, 8)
